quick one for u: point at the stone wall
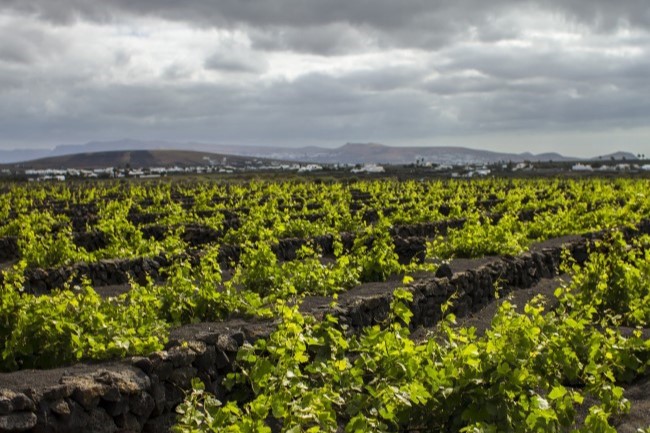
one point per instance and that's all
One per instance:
(138, 394)
(9, 248)
(118, 271)
(473, 288)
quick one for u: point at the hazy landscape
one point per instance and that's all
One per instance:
(93, 154)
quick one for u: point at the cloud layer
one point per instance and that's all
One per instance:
(502, 75)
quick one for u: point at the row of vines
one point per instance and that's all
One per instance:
(75, 322)
(539, 370)
(45, 220)
(535, 370)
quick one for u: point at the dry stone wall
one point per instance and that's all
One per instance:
(118, 271)
(9, 249)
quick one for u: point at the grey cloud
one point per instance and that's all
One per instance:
(329, 39)
(152, 104)
(319, 102)
(306, 25)
(604, 14)
(386, 79)
(457, 88)
(26, 45)
(10, 80)
(499, 89)
(276, 12)
(16, 51)
(521, 65)
(236, 61)
(64, 12)
(549, 105)
(376, 13)
(454, 84)
(175, 72)
(595, 111)
(121, 58)
(312, 107)
(123, 110)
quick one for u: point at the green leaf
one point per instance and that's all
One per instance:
(557, 392)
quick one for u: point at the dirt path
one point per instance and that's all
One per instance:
(519, 298)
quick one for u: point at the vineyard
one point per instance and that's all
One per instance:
(337, 306)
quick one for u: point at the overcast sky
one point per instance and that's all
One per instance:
(560, 75)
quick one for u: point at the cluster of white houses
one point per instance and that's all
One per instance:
(455, 171)
(153, 172)
(614, 167)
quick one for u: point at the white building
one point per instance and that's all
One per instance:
(522, 166)
(309, 167)
(582, 167)
(369, 168)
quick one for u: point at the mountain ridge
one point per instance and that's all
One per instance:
(138, 159)
(349, 153)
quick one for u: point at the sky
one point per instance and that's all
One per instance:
(569, 76)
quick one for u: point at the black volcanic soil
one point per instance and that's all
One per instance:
(519, 298)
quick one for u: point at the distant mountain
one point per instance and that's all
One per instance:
(550, 156)
(361, 153)
(107, 146)
(371, 152)
(351, 153)
(619, 156)
(138, 159)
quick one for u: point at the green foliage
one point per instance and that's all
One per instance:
(374, 253)
(614, 281)
(528, 373)
(39, 247)
(74, 324)
(480, 237)
(124, 238)
(309, 275)
(268, 211)
(258, 269)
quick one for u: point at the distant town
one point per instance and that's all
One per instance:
(222, 167)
